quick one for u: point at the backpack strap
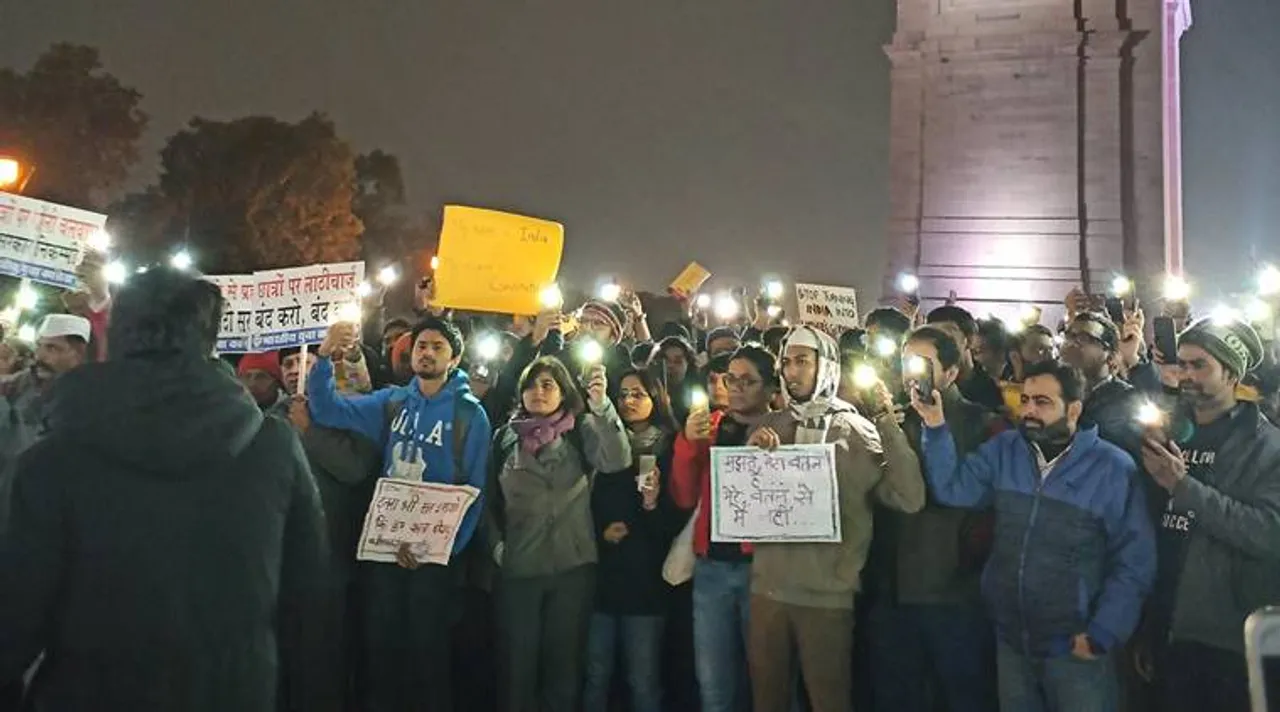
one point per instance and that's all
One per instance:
(464, 411)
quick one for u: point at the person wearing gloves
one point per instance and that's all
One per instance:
(432, 430)
(802, 594)
(541, 532)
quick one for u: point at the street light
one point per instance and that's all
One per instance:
(10, 173)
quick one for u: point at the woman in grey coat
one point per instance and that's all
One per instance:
(540, 529)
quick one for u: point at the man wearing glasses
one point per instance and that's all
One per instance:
(1090, 344)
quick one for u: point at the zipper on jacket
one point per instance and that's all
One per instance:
(1022, 553)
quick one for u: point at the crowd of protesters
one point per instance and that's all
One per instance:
(1033, 516)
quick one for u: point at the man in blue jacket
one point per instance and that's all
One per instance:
(1074, 551)
(432, 430)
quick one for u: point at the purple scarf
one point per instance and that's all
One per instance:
(539, 431)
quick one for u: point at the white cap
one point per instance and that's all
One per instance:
(56, 325)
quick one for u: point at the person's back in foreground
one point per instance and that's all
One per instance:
(166, 539)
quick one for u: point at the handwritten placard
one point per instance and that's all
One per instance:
(832, 309)
(424, 515)
(294, 306)
(495, 262)
(789, 494)
(239, 292)
(44, 241)
(690, 280)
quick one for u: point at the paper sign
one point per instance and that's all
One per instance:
(424, 515)
(832, 309)
(495, 262)
(44, 241)
(293, 306)
(789, 494)
(690, 279)
(236, 332)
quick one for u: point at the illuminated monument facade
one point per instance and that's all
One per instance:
(1035, 146)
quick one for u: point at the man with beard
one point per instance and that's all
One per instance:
(1217, 465)
(802, 594)
(1074, 551)
(166, 549)
(62, 344)
(432, 430)
(930, 638)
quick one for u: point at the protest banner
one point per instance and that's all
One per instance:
(788, 495)
(424, 515)
(495, 262)
(294, 306)
(690, 280)
(44, 241)
(236, 333)
(832, 309)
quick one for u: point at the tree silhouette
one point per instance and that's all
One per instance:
(76, 124)
(249, 194)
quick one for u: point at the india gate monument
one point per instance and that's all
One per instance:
(1035, 146)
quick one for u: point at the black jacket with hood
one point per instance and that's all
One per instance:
(167, 549)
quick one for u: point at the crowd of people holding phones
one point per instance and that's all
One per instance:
(1035, 516)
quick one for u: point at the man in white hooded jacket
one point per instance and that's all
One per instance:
(802, 594)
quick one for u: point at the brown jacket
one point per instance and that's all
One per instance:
(874, 462)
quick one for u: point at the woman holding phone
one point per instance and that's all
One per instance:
(540, 531)
(635, 523)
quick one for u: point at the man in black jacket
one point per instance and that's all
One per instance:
(1218, 539)
(931, 644)
(1090, 343)
(167, 548)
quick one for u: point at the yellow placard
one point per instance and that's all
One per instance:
(689, 280)
(495, 262)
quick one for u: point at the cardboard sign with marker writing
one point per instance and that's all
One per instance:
(495, 262)
(690, 279)
(832, 309)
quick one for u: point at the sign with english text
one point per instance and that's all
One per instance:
(492, 261)
(788, 495)
(424, 515)
(832, 309)
(43, 241)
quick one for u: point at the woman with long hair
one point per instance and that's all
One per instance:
(541, 532)
(635, 523)
(722, 572)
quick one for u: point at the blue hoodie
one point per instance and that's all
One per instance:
(422, 433)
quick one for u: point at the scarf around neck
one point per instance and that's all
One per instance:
(538, 431)
(813, 416)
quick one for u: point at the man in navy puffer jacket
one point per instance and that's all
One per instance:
(1074, 551)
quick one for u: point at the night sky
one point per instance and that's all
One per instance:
(749, 135)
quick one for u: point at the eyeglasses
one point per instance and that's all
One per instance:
(741, 382)
(1080, 338)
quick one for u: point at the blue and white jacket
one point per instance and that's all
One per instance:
(1074, 550)
(418, 441)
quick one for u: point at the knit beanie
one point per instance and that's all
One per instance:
(1233, 342)
(609, 312)
(1100, 327)
(268, 362)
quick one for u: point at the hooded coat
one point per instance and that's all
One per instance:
(166, 548)
(873, 460)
